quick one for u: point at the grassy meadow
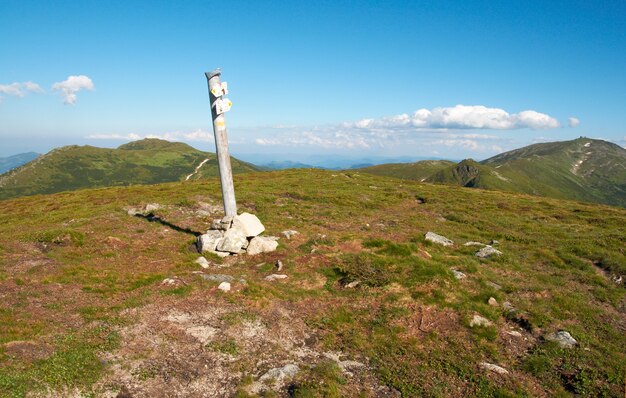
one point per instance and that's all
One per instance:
(83, 309)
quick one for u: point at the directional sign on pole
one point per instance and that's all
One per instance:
(220, 89)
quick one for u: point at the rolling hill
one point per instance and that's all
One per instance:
(147, 161)
(583, 169)
(417, 171)
(12, 162)
(97, 302)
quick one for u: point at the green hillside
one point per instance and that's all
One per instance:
(148, 161)
(417, 171)
(14, 161)
(97, 302)
(582, 169)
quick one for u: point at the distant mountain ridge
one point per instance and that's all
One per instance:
(12, 162)
(582, 169)
(147, 161)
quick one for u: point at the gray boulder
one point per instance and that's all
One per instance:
(488, 251)
(260, 244)
(234, 240)
(562, 338)
(209, 241)
(438, 239)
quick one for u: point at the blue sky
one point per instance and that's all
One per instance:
(450, 79)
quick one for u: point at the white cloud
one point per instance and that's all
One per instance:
(324, 139)
(20, 90)
(460, 117)
(573, 121)
(72, 85)
(196, 135)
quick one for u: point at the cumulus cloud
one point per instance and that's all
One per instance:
(460, 117)
(20, 90)
(573, 122)
(72, 85)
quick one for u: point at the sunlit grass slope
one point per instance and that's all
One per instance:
(77, 272)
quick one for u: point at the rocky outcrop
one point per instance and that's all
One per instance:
(236, 235)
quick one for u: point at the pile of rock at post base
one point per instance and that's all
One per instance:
(236, 235)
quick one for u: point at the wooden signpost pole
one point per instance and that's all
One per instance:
(220, 105)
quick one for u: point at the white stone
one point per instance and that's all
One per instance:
(494, 368)
(224, 286)
(492, 302)
(260, 244)
(249, 224)
(441, 240)
(289, 233)
(275, 277)
(152, 207)
(458, 274)
(234, 240)
(562, 338)
(209, 241)
(473, 244)
(219, 254)
(278, 375)
(203, 262)
(487, 251)
(478, 320)
(169, 282)
(216, 224)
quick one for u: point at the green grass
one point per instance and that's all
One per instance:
(148, 161)
(408, 318)
(543, 169)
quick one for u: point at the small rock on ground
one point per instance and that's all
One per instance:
(472, 243)
(494, 368)
(152, 207)
(289, 233)
(562, 338)
(352, 284)
(224, 286)
(203, 262)
(492, 302)
(478, 320)
(488, 251)
(458, 274)
(435, 238)
(217, 277)
(275, 277)
(171, 282)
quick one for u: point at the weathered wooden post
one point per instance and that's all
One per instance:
(219, 106)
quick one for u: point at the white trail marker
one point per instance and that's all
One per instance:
(219, 106)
